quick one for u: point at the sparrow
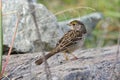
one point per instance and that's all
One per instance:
(70, 41)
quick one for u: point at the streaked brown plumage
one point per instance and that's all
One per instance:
(69, 42)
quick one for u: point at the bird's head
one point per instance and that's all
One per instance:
(77, 25)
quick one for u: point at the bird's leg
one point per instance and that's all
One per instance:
(75, 58)
(66, 57)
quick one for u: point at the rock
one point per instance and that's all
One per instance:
(26, 39)
(51, 31)
(90, 21)
(93, 64)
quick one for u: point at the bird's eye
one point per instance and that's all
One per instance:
(73, 24)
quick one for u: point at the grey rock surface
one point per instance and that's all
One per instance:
(26, 39)
(51, 31)
(93, 64)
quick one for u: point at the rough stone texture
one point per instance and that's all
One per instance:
(26, 39)
(93, 64)
(51, 31)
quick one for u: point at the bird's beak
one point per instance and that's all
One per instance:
(68, 24)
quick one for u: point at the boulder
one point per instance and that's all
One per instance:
(92, 64)
(90, 21)
(27, 39)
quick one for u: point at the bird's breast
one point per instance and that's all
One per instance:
(74, 47)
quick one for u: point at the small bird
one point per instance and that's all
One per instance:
(70, 42)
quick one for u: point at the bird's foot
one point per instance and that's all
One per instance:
(75, 58)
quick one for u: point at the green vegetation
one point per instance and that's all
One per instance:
(1, 38)
(109, 8)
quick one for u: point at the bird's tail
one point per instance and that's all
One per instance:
(41, 60)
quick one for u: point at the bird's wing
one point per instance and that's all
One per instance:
(70, 38)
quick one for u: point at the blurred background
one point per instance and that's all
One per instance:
(107, 30)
